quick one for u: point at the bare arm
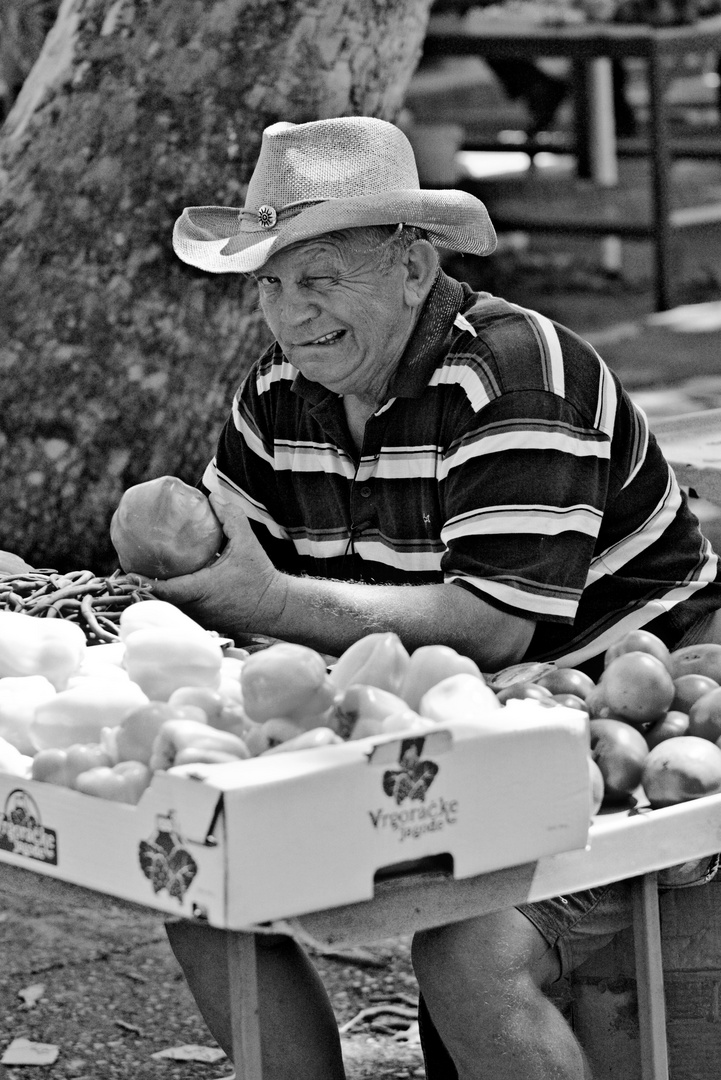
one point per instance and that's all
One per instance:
(242, 592)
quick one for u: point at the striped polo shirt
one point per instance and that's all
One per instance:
(507, 460)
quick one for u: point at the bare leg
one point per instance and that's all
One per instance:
(482, 981)
(299, 1032)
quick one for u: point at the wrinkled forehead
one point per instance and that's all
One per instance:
(335, 248)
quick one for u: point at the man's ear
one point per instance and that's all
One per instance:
(421, 261)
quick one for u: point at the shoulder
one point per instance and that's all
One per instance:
(515, 349)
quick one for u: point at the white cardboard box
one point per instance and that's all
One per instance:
(291, 833)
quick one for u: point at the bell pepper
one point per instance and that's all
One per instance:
(62, 767)
(286, 680)
(430, 664)
(156, 615)
(53, 648)
(123, 783)
(405, 720)
(359, 702)
(180, 742)
(50, 767)
(78, 715)
(20, 696)
(133, 739)
(13, 762)
(207, 700)
(313, 739)
(375, 660)
(161, 660)
(461, 698)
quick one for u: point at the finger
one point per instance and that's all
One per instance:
(231, 516)
(177, 590)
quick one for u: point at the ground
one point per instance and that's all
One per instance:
(112, 993)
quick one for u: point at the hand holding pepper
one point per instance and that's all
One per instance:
(240, 591)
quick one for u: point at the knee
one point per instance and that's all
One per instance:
(501, 950)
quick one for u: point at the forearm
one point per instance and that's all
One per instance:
(330, 615)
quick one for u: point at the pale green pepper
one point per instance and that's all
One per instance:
(53, 648)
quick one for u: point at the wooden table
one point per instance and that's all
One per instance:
(623, 844)
(654, 214)
(692, 445)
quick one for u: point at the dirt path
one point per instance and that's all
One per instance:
(112, 993)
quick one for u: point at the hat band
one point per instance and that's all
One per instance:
(266, 217)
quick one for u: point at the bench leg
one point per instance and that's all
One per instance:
(244, 1017)
(649, 979)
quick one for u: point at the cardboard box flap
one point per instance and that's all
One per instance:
(391, 750)
(194, 800)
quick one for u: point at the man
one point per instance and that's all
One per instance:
(404, 431)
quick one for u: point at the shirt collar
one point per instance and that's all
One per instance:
(429, 337)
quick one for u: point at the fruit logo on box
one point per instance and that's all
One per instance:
(414, 776)
(166, 863)
(410, 781)
(23, 833)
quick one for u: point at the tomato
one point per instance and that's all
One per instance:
(619, 750)
(596, 703)
(595, 777)
(690, 688)
(704, 718)
(571, 701)
(680, 770)
(638, 687)
(567, 681)
(697, 660)
(525, 690)
(639, 641)
(670, 726)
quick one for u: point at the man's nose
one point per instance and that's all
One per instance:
(297, 307)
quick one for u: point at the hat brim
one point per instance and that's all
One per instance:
(217, 239)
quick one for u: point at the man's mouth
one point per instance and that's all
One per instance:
(325, 339)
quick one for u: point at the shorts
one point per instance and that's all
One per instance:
(579, 924)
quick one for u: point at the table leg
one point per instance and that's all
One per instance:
(604, 159)
(582, 137)
(649, 979)
(244, 1015)
(660, 179)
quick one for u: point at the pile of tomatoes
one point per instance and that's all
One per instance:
(654, 719)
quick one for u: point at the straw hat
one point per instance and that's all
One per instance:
(320, 177)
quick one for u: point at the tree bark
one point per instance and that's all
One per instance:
(118, 361)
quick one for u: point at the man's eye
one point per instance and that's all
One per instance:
(319, 280)
(267, 281)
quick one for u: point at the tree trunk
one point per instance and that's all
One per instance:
(118, 361)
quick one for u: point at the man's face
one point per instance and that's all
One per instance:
(341, 319)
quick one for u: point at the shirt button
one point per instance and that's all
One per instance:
(365, 491)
